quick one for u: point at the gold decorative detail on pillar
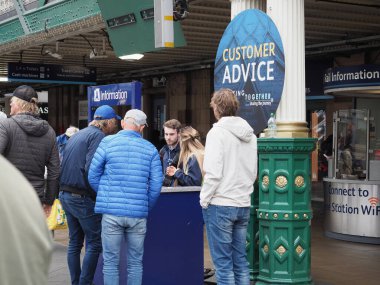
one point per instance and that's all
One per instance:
(281, 181)
(266, 248)
(266, 180)
(299, 250)
(299, 181)
(281, 250)
(292, 130)
(296, 216)
(275, 216)
(286, 216)
(305, 216)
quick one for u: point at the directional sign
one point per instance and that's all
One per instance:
(49, 73)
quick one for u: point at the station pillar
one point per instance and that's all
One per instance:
(284, 210)
(285, 164)
(238, 6)
(253, 235)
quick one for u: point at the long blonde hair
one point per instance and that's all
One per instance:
(190, 143)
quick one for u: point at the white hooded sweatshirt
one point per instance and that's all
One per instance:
(230, 164)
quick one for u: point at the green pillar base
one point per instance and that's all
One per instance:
(284, 210)
(253, 235)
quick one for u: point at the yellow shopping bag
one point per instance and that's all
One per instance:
(57, 219)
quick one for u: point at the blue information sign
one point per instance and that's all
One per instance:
(122, 94)
(250, 60)
(50, 73)
(351, 77)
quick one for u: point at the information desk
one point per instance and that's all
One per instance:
(174, 241)
(352, 210)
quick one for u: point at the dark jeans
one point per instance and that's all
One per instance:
(83, 224)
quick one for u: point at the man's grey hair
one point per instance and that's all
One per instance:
(26, 107)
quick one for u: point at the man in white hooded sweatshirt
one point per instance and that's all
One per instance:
(230, 166)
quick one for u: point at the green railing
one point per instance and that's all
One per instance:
(46, 17)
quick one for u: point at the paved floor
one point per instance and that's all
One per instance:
(333, 262)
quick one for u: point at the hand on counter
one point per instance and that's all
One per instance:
(170, 170)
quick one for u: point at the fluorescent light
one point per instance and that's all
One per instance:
(135, 56)
(3, 79)
(54, 54)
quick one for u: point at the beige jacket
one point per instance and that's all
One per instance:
(26, 243)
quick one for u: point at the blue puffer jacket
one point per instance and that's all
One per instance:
(127, 175)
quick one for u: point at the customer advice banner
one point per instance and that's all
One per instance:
(250, 60)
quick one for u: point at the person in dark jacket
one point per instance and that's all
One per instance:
(28, 142)
(62, 140)
(77, 197)
(169, 154)
(190, 165)
(127, 176)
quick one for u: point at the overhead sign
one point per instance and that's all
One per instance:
(250, 60)
(49, 73)
(351, 78)
(121, 94)
(130, 26)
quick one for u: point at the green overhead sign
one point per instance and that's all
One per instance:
(130, 25)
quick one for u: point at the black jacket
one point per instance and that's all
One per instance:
(28, 142)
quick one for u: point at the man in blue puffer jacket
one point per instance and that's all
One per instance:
(127, 175)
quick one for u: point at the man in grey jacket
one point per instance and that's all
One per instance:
(28, 142)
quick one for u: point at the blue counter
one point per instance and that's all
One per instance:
(174, 241)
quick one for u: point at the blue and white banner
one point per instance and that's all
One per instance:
(115, 94)
(351, 77)
(122, 94)
(250, 60)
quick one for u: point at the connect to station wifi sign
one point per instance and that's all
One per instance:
(250, 60)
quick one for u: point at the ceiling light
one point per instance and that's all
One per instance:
(54, 54)
(94, 54)
(135, 56)
(3, 79)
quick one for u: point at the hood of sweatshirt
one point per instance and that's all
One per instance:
(237, 126)
(31, 124)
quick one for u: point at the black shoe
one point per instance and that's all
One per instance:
(208, 272)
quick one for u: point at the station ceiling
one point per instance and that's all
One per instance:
(332, 27)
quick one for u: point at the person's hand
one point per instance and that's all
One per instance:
(170, 170)
(47, 209)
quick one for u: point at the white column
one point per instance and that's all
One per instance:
(240, 5)
(288, 15)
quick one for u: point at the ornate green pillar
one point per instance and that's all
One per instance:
(284, 210)
(253, 235)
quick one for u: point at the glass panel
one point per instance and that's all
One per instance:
(351, 158)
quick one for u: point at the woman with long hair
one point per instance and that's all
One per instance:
(190, 164)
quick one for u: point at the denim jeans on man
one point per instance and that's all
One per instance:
(83, 224)
(115, 231)
(226, 233)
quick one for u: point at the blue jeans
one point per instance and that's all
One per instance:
(226, 229)
(116, 230)
(83, 224)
